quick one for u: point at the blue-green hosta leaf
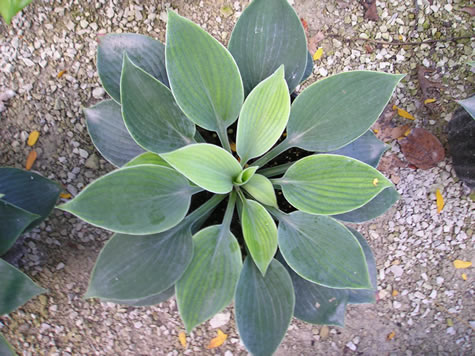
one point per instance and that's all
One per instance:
(330, 184)
(9, 8)
(374, 208)
(264, 306)
(317, 304)
(260, 233)
(469, 105)
(137, 200)
(312, 246)
(29, 191)
(159, 259)
(150, 112)
(360, 296)
(308, 68)
(337, 110)
(207, 88)
(209, 282)
(147, 301)
(208, 166)
(17, 288)
(261, 189)
(268, 34)
(5, 348)
(366, 148)
(147, 53)
(109, 134)
(147, 158)
(13, 221)
(263, 117)
(245, 175)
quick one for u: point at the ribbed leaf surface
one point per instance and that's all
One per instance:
(312, 246)
(337, 110)
(261, 189)
(245, 175)
(29, 191)
(208, 284)
(150, 112)
(268, 34)
(331, 184)
(13, 221)
(159, 259)
(109, 134)
(264, 306)
(203, 76)
(17, 288)
(260, 233)
(137, 200)
(147, 53)
(374, 208)
(208, 166)
(263, 117)
(147, 158)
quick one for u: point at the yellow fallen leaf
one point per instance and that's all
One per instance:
(32, 138)
(459, 264)
(391, 335)
(60, 74)
(395, 107)
(403, 113)
(375, 131)
(318, 54)
(30, 160)
(464, 276)
(439, 201)
(65, 195)
(375, 182)
(395, 293)
(233, 146)
(218, 340)
(450, 322)
(407, 132)
(182, 338)
(428, 101)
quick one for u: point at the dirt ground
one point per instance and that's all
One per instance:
(425, 306)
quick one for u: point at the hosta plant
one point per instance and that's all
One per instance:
(26, 199)
(284, 260)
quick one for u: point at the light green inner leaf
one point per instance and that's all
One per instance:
(261, 189)
(208, 166)
(245, 175)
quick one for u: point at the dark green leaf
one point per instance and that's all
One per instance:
(147, 301)
(207, 88)
(374, 208)
(268, 34)
(317, 304)
(159, 259)
(337, 110)
(109, 134)
(13, 221)
(323, 251)
(29, 191)
(264, 306)
(360, 296)
(150, 112)
(5, 348)
(137, 200)
(208, 284)
(17, 288)
(147, 53)
(366, 148)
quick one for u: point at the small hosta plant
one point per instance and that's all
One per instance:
(280, 263)
(26, 199)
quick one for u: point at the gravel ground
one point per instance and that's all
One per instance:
(47, 57)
